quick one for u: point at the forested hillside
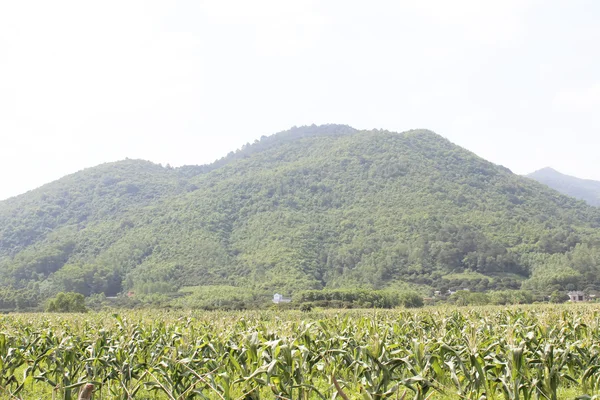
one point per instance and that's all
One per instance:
(309, 208)
(584, 189)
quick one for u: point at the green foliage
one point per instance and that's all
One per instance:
(511, 297)
(498, 297)
(219, 298)
(558, 297)
(359, 298)
(467, 298)
(97, 302)
(20, 299)
(583, 189)
(411, 300)
(308, 209)
(67, 303)
(525, 352)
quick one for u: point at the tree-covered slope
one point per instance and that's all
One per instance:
(584, 189)
(309, 208)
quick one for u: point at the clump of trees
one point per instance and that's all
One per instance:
(19, 299)
(67, 303)
(502, 297)
(559, 297)
(359, 298)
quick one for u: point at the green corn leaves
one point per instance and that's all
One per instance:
(487, 353)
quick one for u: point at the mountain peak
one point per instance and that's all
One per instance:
(322, 129)
(548, 169)
(583, 189)
(545, 170)
(311, 207)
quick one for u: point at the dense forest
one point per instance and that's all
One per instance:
(317, 207)
(583, 189)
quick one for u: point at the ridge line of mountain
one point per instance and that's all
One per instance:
(318, 207)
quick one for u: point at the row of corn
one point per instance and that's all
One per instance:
(487, 353)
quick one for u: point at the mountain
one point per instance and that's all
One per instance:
(309, 208)
(583, 189)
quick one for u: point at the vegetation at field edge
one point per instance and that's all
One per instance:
(530, 352)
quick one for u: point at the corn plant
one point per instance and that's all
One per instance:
(532, 352)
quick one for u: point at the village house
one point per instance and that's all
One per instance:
(577, 296)
(278, 298)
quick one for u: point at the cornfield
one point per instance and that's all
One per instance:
(537, 352)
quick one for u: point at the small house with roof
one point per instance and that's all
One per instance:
(577, 296)
(278, 298)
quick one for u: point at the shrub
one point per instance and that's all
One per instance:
(67, 302)
(558, 297)
(411, 300)
(466, 298)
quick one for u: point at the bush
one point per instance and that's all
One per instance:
(348, 298)
(466, 298)
(504, 297)
(67, 302)
(558, 297)
(411, 300)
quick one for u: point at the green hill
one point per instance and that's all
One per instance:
(309, 208)
(583, 189)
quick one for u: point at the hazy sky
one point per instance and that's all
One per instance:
(185, 82)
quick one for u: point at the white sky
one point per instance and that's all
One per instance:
(184, 82)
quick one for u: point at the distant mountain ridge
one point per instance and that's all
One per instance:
(583, 189)
(309, 208)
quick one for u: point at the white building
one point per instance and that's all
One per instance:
(278, 298)
(577, 296)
